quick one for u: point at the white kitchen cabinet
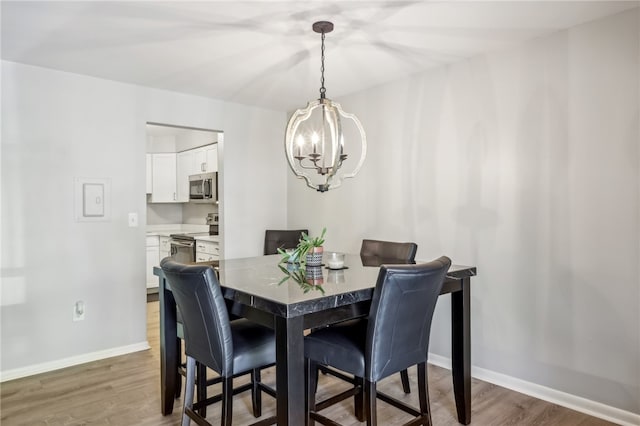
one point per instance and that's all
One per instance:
(149, 174)
(200, 160)
(211, 158)
(207, 251)
(206, 159)
(184, 168)
(193, 162)
(153, 250)
(164, 189)
(165, 248)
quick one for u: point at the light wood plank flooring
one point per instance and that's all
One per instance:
(125, 391)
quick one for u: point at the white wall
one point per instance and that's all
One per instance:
(254, 173)
(57, 126)
(526, 164)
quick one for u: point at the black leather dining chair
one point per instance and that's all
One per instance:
(378, 252)
(283, 239)
(202, 381)
(230, 348)
(395, 336)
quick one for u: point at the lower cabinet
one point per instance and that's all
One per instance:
(159, 247)
(152, 260)
(207, 251)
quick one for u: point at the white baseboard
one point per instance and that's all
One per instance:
(71, 361)
(577, 403)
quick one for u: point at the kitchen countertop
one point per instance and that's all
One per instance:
(213, 238)
(166, 230)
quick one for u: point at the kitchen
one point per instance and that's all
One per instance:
(182, 196)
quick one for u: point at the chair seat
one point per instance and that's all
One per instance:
(341, 345)
(253, 345)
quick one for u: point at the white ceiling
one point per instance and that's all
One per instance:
(264, 52)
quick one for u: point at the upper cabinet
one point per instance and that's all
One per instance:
(170, 172)
(207, 157)
(186, 165)
(163, 176)
(173, 154)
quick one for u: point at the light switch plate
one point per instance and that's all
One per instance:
(133, 220)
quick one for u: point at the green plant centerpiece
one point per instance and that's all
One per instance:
(308, 252)
(304, 262)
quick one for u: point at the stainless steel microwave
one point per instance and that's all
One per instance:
(203, 188)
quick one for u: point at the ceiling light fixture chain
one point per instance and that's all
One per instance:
(323, 90)
(322, 27)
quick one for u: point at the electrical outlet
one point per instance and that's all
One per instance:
(78, 311)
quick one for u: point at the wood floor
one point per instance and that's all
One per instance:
(125, 391)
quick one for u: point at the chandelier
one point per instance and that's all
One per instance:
(316, 137)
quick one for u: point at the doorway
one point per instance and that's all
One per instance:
(173, 154)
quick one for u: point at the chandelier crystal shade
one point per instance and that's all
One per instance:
(322, 138)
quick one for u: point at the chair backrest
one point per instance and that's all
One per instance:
(284, 239)
(400, 316)
(207, 333)
(376, 252)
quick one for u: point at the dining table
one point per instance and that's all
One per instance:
(290, 300)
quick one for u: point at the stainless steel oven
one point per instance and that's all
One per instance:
(183, 246)
(183, 250)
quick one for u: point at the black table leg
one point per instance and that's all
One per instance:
(461, 350)
(290, 383)
(168, 348)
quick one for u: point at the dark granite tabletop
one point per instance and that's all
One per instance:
(262, 283)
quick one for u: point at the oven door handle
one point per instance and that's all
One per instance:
(181, 244)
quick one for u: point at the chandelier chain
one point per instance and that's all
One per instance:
(323, 90)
